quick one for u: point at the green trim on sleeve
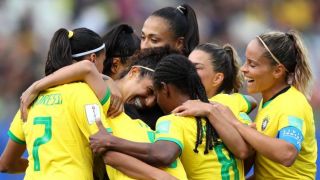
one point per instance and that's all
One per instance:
(248, 103)
(106, 97)
(171, 140)
(109, 130)
(15, 139)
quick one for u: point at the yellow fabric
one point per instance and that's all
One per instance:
(239, 106)
(57, 131)
(237, 103)
(106, 103)
(276, 115)
(136, 130)
(217, 164)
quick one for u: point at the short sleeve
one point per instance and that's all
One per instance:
(87, 109)
(168, 129)
(292, 129)
(243, 103)
(292, 121)
(244, 118)
(15, 132)
(105, 101)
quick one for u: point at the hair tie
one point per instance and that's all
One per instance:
(70, 34)
(290, 36)
(181, 9)
(227, 49)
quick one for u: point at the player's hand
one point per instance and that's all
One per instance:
(26, 99)
(253, 126)
(100, 141)
(192, 108)
(116, 100)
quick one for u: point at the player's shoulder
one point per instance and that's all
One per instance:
(79, 86)
(220, 97)
(174, 118)
(294, 99)
(77, 89)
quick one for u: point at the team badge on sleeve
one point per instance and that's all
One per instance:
(163, 127)
(92, 112)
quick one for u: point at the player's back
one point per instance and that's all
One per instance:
(219, 163)
(57, 134)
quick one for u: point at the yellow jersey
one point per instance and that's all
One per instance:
(240, 106)
(57, 132)
(138, 131)
(288, 117)
(219, 163)
(237, 103)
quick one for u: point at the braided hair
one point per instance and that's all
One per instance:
(179, 71)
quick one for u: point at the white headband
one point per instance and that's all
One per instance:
(146, 68)
(272, 55)
(89, 52)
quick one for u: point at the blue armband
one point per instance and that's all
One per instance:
(291, 135)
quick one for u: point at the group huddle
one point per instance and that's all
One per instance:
(163, 106)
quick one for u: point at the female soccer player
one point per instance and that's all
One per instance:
(121, 43)
(62, 119)
(135, 86)
(169, 26)
(277, 67)
(218, 69)
(203, 154)
(176, 27)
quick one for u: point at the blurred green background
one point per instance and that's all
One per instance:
(27, 27)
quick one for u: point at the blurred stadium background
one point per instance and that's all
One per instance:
(27, 27)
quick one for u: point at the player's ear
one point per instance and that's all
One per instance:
(134, 72)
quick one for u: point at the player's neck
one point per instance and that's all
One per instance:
(274, 91)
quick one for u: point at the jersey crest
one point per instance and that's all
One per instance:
(264, 123)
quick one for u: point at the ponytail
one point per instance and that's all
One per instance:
(183, 23)
(234, 76)
(289, 50)
(69, 46)
(226, 61)
(122, 42)
(60, 53)
(191, 38)
(302, 75)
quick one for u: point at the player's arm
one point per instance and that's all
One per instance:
(133, 167)
(277, 150)
(159, 154)
(81, 71)
(251, 101)
(218, 115)
(11, 160)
